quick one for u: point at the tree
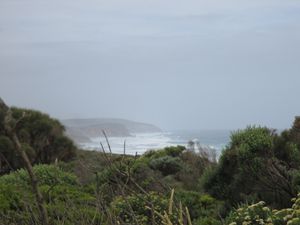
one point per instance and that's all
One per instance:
(41, 136)
(10, 125)
(249, 170)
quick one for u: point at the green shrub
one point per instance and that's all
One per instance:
(65, 193)
(194, 165)
(249, 170)
(65, 198)
(16, 188)
(207, 221)
(46, 174)
(135, 208)
(10, 197)
(200, 205)
(166, 165)
(173, 151)
(259, 213)
(67, 213)
(41, 136)
(257, 140)
(116, 172)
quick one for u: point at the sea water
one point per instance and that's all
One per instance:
(141, 142)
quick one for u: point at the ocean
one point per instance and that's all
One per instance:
(140, 143)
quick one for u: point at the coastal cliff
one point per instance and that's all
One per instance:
(81, 130)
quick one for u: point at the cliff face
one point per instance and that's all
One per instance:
(81, 130)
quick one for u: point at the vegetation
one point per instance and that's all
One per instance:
(259, 213)
(253, 182)
(257, 165)
(41, 137)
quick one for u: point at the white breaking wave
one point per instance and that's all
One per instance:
(137, 143)
(141, 142)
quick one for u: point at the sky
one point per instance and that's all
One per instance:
(193, 64)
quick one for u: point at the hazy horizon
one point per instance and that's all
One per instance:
(178, 65)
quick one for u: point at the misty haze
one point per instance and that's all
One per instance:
(123, 112)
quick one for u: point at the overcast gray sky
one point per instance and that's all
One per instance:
(192, 64)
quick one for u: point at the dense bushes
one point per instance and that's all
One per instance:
(131, 187)
(46, 174)
(65, 199)
(112, 197)
(258, 164)
(166, 209)
(259, 213)
(41, 137)
(166, 165)
(138, 208)
(201, 206)
(154, 171)
(128, 190)
(172, 164)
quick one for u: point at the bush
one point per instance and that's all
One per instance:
(257, 140)
(46, 174)
(65, 199)
(173, 151)
(259, 213)
(200, 205)
(166, 165)
(41, 136)
(249, 170)
(10, 197)
(207, 221)
(194, 165)
(135, 208)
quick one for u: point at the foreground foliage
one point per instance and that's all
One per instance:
(125, 191)
(259, 213)
(258, 165)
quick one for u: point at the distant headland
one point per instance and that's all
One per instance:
(81, 130)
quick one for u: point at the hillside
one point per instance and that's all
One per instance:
(40, 135)
(173, 186)
(81, 130)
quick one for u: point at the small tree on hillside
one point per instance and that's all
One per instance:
(41, 136)
(10, 125)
